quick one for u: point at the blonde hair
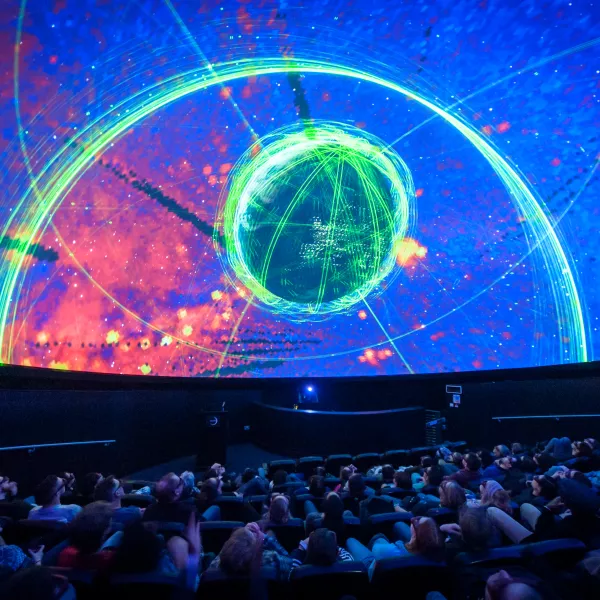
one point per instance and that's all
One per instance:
(241, 554)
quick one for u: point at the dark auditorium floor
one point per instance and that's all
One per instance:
(239, 456)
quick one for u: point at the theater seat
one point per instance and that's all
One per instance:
(417, 575)
(288, 487)
(216, 533)
(399, 493)
(87, 584)
(396, 458)
(307, 464)
(332, 482)
(232, 508)
(443, 516)
(257, 502)
(384, 523)
(373, 482)
(325, 583)
(495, 557)
(36, 532)
(139, 500)
(301, 499)
(137, 484)
(215, 584)
(415, 454)
(287, 464)
(143, 585)
(335, 462)
(557, 553)
(363, 462)
(290, 534)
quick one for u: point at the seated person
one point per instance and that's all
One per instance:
(451, 462)
(470, 472)
(421, 538)
(582, 457)
(357, 492)
(540, 490)
(278, 512)
(452, 495)
(252, 484)
(40, 583)
(70, 486)
(475, 531)
(48, 497)
(87, 532)
(402, 481)
(500, 451)
(12, 558)
(493, 494)
(168, 507)
(248, 549)
(559, 449)
(429, 483)
(316, 487)
(210, 492)
(190, 491)
(110, 490)
(332, 518)
(387, 476)
(320, 549)
(345, 474)
(10, 505)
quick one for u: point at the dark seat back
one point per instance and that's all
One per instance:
(396, 458)
(216, 533)
(231, 507)
(495, 557)
(302, 498)
(363, 462)
(384, 523)
(373, 482)
(288, 487)
(399, 493)
(137, 484)
(414, 573)
(216, 584)
(30, 532)
(560, 554)
(415, 454)
(443, 516)
(336, 581)
(307, 464)
(290, 534)
(143, 585)
(335, 462)
(257, 502)
(287, 464)
(139, 500)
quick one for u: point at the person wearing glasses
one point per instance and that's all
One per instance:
(48, 497)
(110, 490)
(169, 506)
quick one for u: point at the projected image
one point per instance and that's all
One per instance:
(279, 188)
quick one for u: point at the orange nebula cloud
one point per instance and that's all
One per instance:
(408, 251)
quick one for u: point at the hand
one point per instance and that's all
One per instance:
(398, 508)
(192, 534)
(37, 554)
(451, 529)
(352, 468)
(219, 470)
(256, 531)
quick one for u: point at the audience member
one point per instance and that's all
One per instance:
(168, 507)
(110, 490)
(559, 449)
(190, 491)
(493, 494)
(10, 505)
(38, 584)
(48, 497)
(320, 549)
(474, 532)
(471, 471)
(452, 495)
(87, 532)
(500, 451)
(279, 511)
(403, 481)
(248, 549)
(210, 492)
(86, 489)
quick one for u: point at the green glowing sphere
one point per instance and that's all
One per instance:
(312, 216)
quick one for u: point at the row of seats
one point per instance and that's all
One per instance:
(414, 574)
(363, 462)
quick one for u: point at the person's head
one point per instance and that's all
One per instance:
(579, 499)
(8, 488)
(110, 490)
(249, 475)
(505, 463)
(516, 448)
(476, 528)
(279, 477)
(502, 586)
(321, 471)
(527, 464)
(579, 477)
(69, 479)
(49, 491)
(581, 449)
(426, 461)
(333, 507)
(387, 473)
(40, 583)
(402, 480)
(500, 451)
(544, 461)
(487, 457)
(89, 528)
(189, 483)
(322, 550)
(452, 495)
(241, 554)
(544, 486)
(345, 473)
(456, 459)
(471, 462)
(426, 538)
(210, 490)
(493, 494)
(356, 485)
(316, 485)
(592, 443)
(139, 551)
(433, 475)
(279, 510)
(89, 484)
(169, 488)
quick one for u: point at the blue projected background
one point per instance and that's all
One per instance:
(284, 188)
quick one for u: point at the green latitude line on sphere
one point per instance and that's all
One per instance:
(312, 217)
